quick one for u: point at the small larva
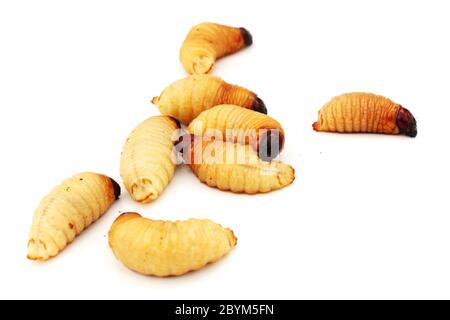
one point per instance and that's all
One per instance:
(365, 112)
(165, 248)
(185, 99)
(237, 124)
(207, 42)
(147, 164)
(69, 209)
(235, 167)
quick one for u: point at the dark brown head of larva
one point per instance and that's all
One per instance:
(176, 121)
(270, 144)
(247, 36)
(116, 188)
(406, 122)
(259, 105)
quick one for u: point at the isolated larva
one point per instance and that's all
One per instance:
(236, 124)
(365, 112)
(207, 42)
(165, 248)
(147, 163)
(67, 210)
(235, 167)
(185, 99)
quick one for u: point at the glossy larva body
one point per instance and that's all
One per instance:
(67, 210)
(147, 162)
(207, 42)
(237, 168)
(165, 248)
(365, 113)
(235, 124)
(185, 99)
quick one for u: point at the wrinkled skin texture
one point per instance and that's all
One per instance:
(147, 164)
(67, 210)
(236, 167)
(185, 99)
(165, 248)
(365, 113)
(207, 42)
(237, 124)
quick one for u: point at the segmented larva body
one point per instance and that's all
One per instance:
(236, 167)
(207, 42)
(67, 210)
(165, 248)
(365, 113)
(236, 124)
(147, 163)
(185, 99)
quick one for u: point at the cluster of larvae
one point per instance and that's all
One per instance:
(249, 141)
(225, 136)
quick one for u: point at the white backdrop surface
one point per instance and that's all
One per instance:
(367, 216)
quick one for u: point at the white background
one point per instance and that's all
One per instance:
(367, 216)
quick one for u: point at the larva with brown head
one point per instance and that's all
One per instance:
(165, 248)
(237, 124)
(67, 210)
(207, 42)
(365, 113)
(185, 99)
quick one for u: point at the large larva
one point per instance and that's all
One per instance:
(207, 42)
(185, 99)
(165, 248)
(235, 167)
(147, 164)
(365, 112)
(66, 211)
(237, 124)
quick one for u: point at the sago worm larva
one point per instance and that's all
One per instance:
(147, 164)
(236, 124)
(207, 42)
(67, 210)
(234, 167)
(365, 112)
(185, 99)
(165, 248)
